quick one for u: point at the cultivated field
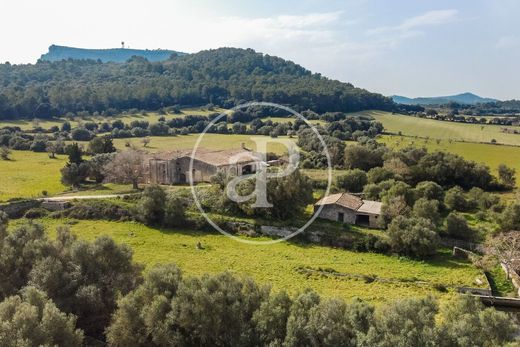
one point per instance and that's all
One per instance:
(413, 126)
(281, 264)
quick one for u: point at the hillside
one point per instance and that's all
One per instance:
(117, 55)
(225, 77)
(465, 98)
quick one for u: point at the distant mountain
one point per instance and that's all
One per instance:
(116, 55)
(465, 98)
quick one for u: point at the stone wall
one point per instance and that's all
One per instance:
(515, 278)
(18, 208)
(331, 212)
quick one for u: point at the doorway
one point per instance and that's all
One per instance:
(341, 217)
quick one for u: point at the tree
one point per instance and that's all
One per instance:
(51, 148)
(454, 199)
(5, 152)
(31, 319)
(150, 208)
(379, 174)
(330, 324)
(270, 320)
(406, 322)
(74, 174)
(75, 153)
(298, 319)
(465, 322)
(392, 208)
(174, 211)
(457, 227)
(129, 326)
(352, 180)
(289, 195)
(363, 157)
(427, 209)
(505, 248)
(97, 165)
(100, 145)
(507, 175)
(126, 167)
(81, 134)
(414, 237)
(429, 190)
(145, 141)
(82, 278)
(509, 219)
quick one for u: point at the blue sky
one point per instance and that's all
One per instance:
(412, 48)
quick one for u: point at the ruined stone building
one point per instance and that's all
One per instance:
(351, 209)
(173, 167)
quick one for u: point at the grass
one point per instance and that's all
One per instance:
(27, 174)
(500, 285)
(280, 264)
(413, 126)
(152, 117)
(491, 155)
(209, 141)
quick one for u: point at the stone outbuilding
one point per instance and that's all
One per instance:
(173, 167)
(351, 209)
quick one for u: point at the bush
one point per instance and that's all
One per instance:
(96, 209)
(414, 237)
(35, 213)
(150, 209)
(457, 227)
(455, 199)
(81, 134)
(352, 181)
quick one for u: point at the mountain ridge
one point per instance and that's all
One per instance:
(463, 98)
(105, 55)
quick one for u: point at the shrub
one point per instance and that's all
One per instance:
(96, 209)
(455, 199)
(414, 237)
(150, 209)
(457, 227)
(35, 213)
(352, 180)
(81, 134)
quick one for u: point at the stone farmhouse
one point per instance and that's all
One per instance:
(348, 208)
(173, 167)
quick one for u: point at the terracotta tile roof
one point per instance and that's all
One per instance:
(343, 199)
(371, 207)
(213, 157)
(352, 202)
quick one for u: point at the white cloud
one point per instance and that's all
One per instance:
(508, 42)
(410, 27)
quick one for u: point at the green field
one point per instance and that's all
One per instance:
(434, 129)
(491, 155)
(27, 174)
(209, 141)
(152, 117)
(280, 264)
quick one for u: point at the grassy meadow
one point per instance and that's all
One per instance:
(434, 129)
(209, 141)
(281, 264)
(27, 174)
